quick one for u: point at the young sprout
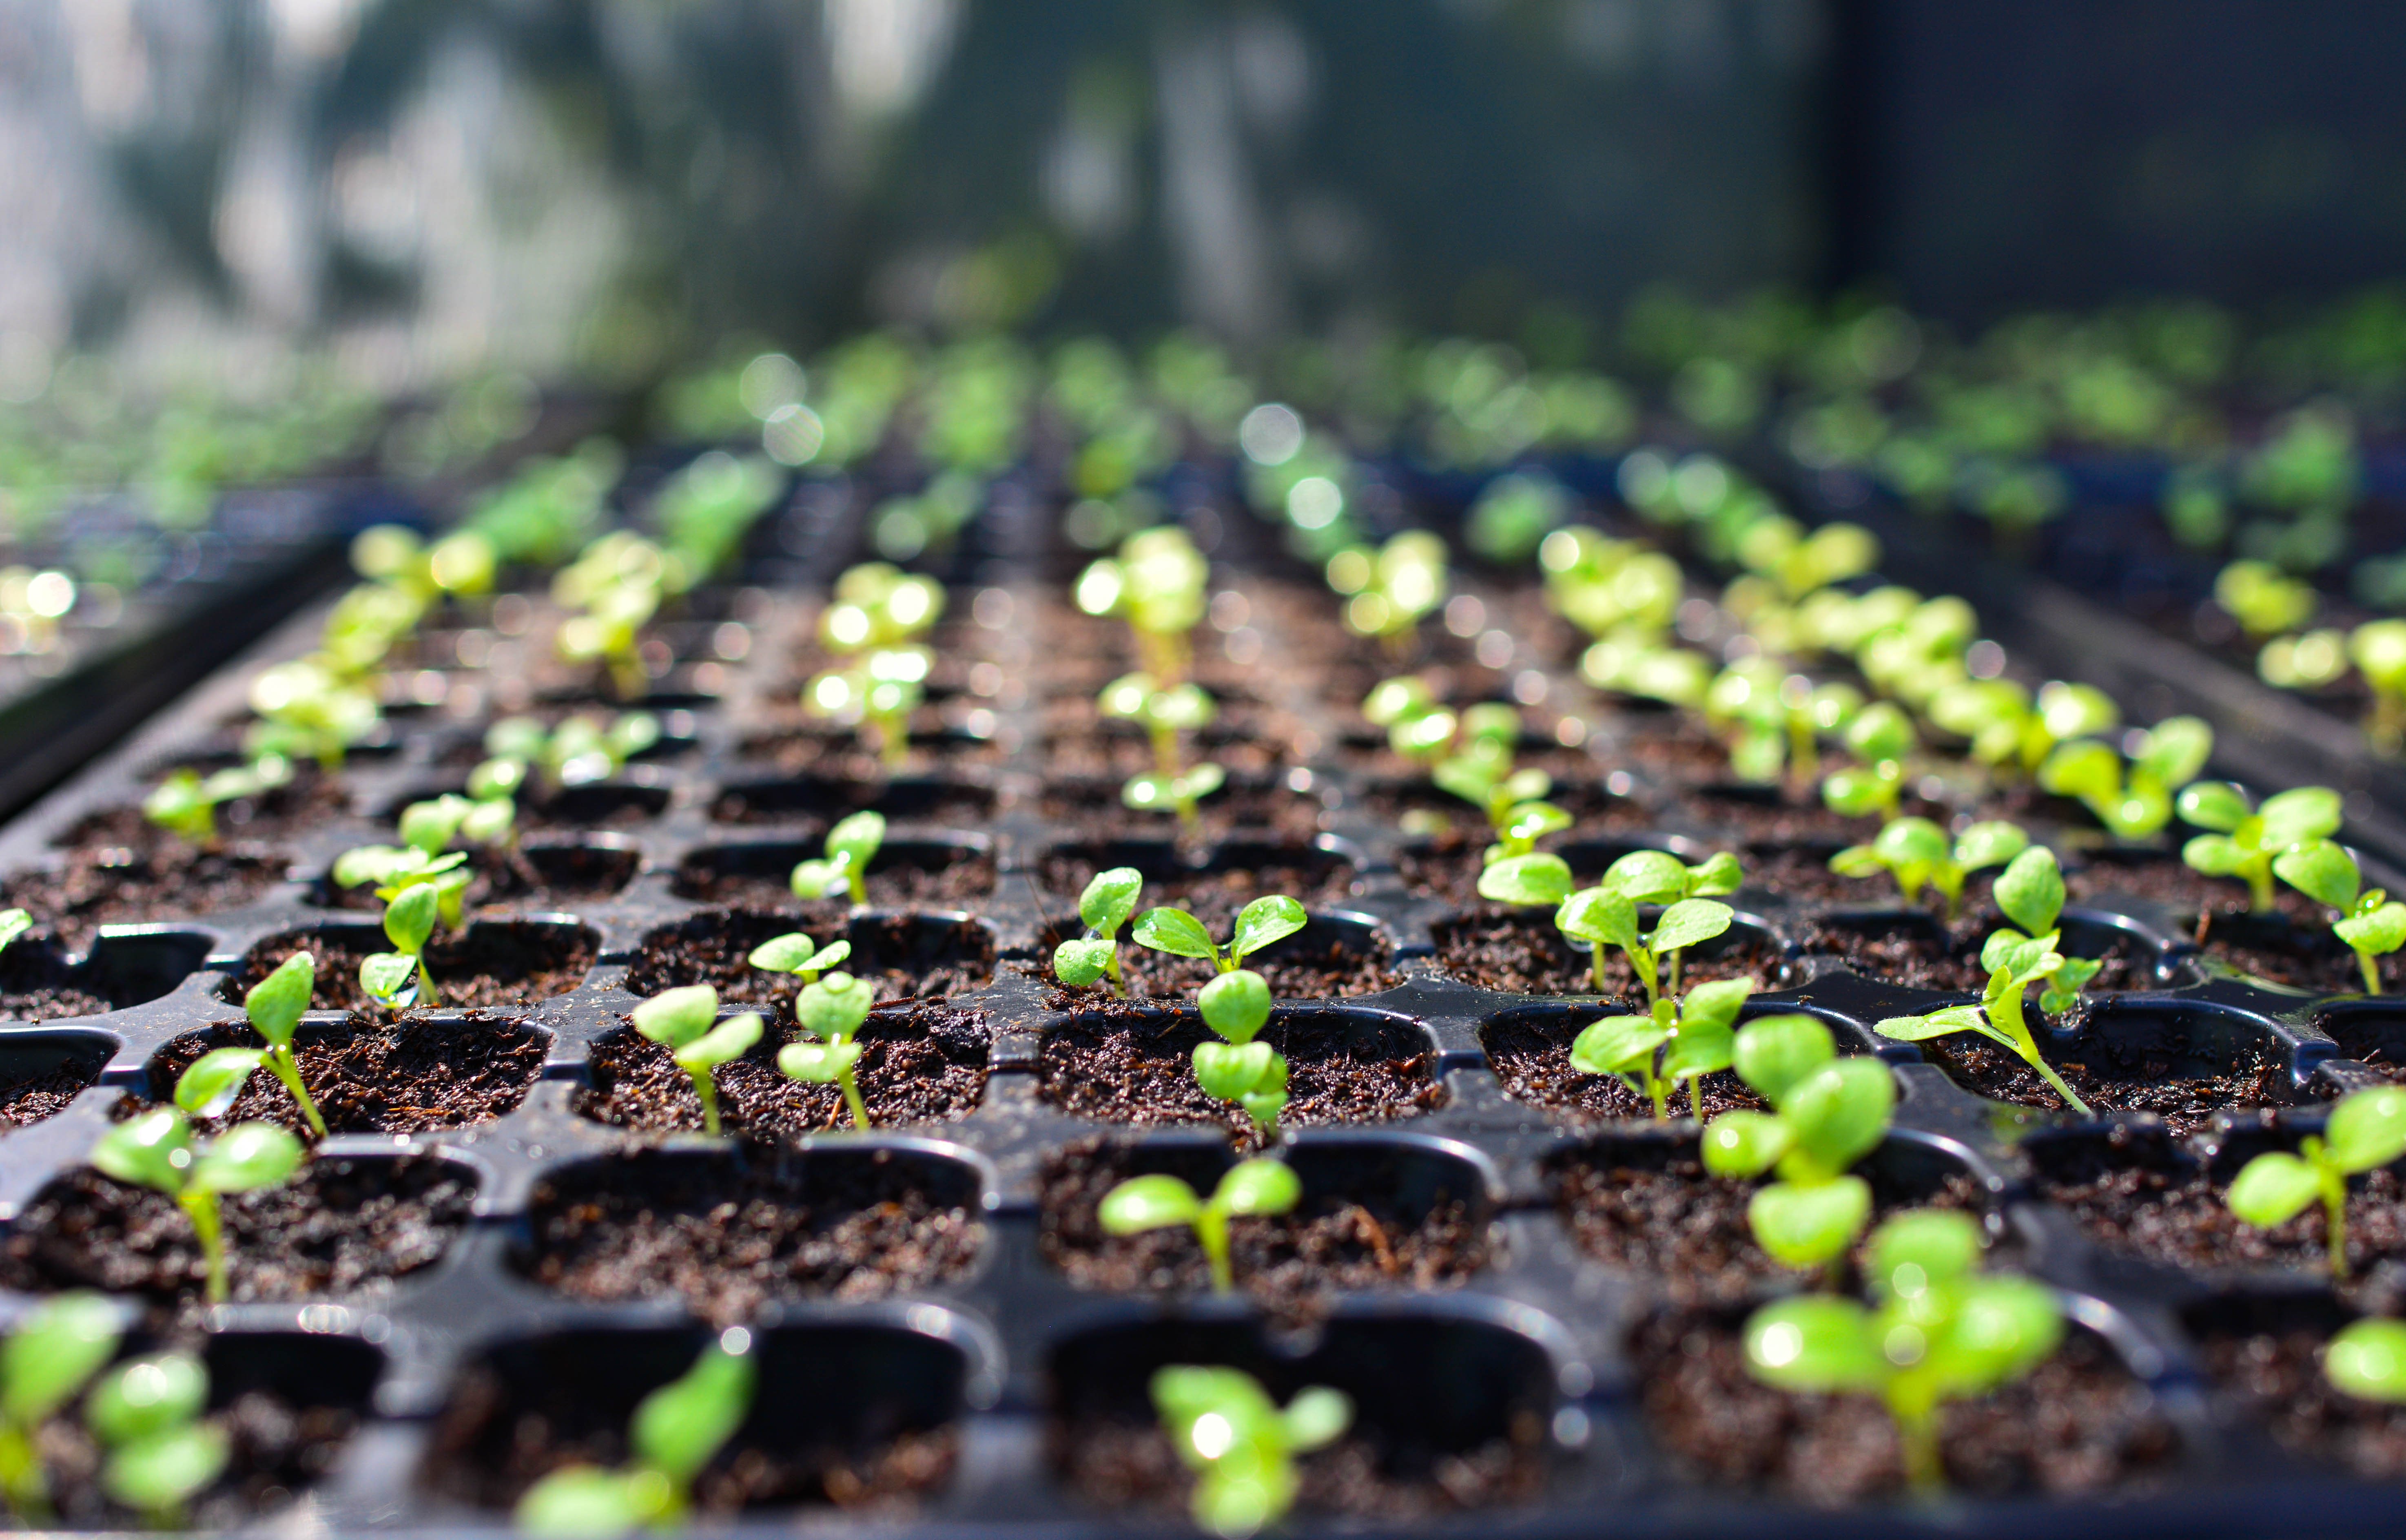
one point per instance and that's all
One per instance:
(1164, 713)
(147, 1414)
(1156, 584)
(798, 954)
(50, 1356)
(1388, 590)
(675, 1432)
(2378, 649)
(1250, 1188)
(581, 750)
(1939, 1332)
(1606, 914)
(1828, 1113)
(211, 1083)
(1103, 907)
(876, 621)
(2164, 758)
(1240, 1446)
(1258, 924)
(1917, 853)
(1880, 735)
(185, 804)
(2365, 1132)
(831, 1012)
(2372, 923)
(685, 1022)
(1779, 718)
(851, 845)
(428, 828)
(1678, 1041)
(2246, 844)
(2031, 892)
(2265, 600)
(2367, 1359)
(308, 711)
(1616, 591)
(399, 979)
(158, 1150)
(616, 585)
(13, 924)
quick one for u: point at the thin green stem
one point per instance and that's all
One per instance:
(1951, 891)
(2371, 965)
(200, 1206)
(1917, 1435)
(708, 1090)
(22, 1479)
(2334, 1185)
(852, 1099)
(1211, 1229)
(2005, 1013)
(2259, 886)
(1654, 1089)
(427, 992)
(857, 882)
(1696, 1097)
(1672, 983)
(281, 1060)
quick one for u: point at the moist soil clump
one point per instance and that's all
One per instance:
(2168, 1210)
(30, 1098)
(1908, 956)
(905, 957)
(728, 1239)
(2079, 1422)
(276, 1450)
(1518, 951)
(901, 884)
(163, 879)
(2188, 893)
(1301, 968)
(2109, 1076)
(37, 986)
(2305, 957)
(1118, 1063)
(488, 966)
(1124, 1466)
(1213, 894)
(920, 1063)
(1291, 1264)
(1532, 1057)
(371, 1078)
(341, 1227)
(2276, 1378)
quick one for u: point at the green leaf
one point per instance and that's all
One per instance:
(274, 1004)
(2215, 805)
(2307, 813)
(1719, 876)
(147, 1397)
(1988, 844)
(1526, 823)
(2273, 1188)
(1807, 1224)
(13, 924)
(1109, 899)
(1316, 1418)
(154, 1151)
(1264, 1186)
(1773, 1052)
(2367, 1360)
(814, 879)
(729, 1040)
(409, 919)
(1937, 1245)
(820, 1063)
(1838, 1113)
(1602, 916)
(1079, 963)
(855, 839)
(678, 1428)
(1858, 861)
(2367, 1129)
(1263, 921)
(2322, 871)
(1538, 879)
(160, 1475)
(2381, 932)
(788, 953)
(1743, 1143)
(2214, 854)
(835, 1008)
(2001, 1328)
(1648, 876)
(1910, 840)
(2176, 749)
(1618, 1045)
(1939, 1024)
(1228, 1071)
(1688, 922)
(1176, 932)
(1856, 793)
(675, 1017)
(1236, 1005)
(1815, 1343)
(58, 1346)
(247, 1156)
(388, 976)
(2030, 890)
(211, 1083)
(1147, 1202)
(1199, 782)
(1713, 1007)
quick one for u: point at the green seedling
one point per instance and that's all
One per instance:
(1777, 718)
(1917, 854)
(1607, 913)
(1239, 1443)
(49, 1358)
(2378, 649)
(2031, 892)
(704, 510)
(1258, 924)
(1165, 713)
(1681, 1042)
(2264, 599)
(580, 751)
(13, 924)
(1236, 1004)
(2366, 1131)
(2367, 1360)
(685, 1022)
(2372, 923)
(157, 1151)
(2307, 661)
(1156, 584)
(424, 858)
(1250, 1188)
(185, 804)
(1470, 753)
(147, 1414)
(2247, 841)
(1828, 1114)
(1880, 736)
(308, 709)
(796, 954)
(1939, 1332)
(2137, 806)
(399, 979)
(210, 1083)
(851, 845)
(831, 1012)
(615, 586)
(1103, 907)
(1615, 590)
(1387, 591)
(676, 1430)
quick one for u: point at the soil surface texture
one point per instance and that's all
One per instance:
(376, 1077)
(1519, 952)
(1117, 1063)
(903, 956)
(490, 965)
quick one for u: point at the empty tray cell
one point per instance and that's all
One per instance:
(41, 1072)
(1913, 947)
(103, 882)
(2111, 876)
(905, 874)
(2370, 1032)
(729, 1229)
(41, 983)
(1449, 1413)
(906, 956)
(2263, 1355)
(858, 1415)
(2275, 950)
(1378, 1211)
(1211, 885)
(2184, 1060)
(1279, 808)
(1519, 952)
(446, 1069)
(536, 873)
(823, 799)
(1135, 1063)
(493, 963)
(831, 750)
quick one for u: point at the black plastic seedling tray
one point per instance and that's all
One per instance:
(993, 1373)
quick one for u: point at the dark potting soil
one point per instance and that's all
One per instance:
(905, 884)
(1908, 954)
(555, 874)
(1745, 819)
(2169, 1210)
(1291, 1264)
(1120, 1062)
(1301, 968)
(830, 750)
(905, 957)
(346, 1226)
(921, 1063)
(100, 884)
(376, 1077)
(1421, 809)
(1094, 807)
(2276, 1378)
(2307, 957)
(1103, 755)
(2110, 1077)
(490, 965)
(1124, 1467)
(309, 800)
(929, 800)
(37, 986)
(2080, 1422)
(1212, 895)
(1519, 952)
(2162, 878)
(728, 1238)
(1532, 1057)
(1651, 1209)
(276, 1450)
(32, 1097)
